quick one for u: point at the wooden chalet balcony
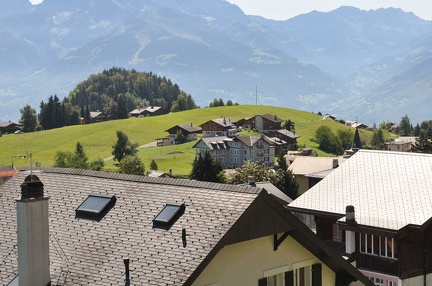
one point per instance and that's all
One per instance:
(377, 263)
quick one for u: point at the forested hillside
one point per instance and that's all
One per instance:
(106, 90)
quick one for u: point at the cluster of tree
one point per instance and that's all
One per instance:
(337, 143)
(55, 114)
(378, 140)
(205, 168)
(77, 159)
(125, 152)
(281, 176)
(129, 89)
(289, 125)
(219, 102)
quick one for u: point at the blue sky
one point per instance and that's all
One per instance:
(285, 9)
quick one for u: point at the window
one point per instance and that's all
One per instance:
(95, 206)
(276, 278)
(377, 281)
(337, 233)
(378, 245)
(168, 215)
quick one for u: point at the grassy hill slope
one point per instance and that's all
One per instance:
(98, 139)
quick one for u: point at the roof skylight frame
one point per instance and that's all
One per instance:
(168, 215)
(95, 206)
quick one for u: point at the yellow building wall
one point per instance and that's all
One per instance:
(246, 262)
(303, 183)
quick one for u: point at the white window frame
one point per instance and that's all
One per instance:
(380, 251)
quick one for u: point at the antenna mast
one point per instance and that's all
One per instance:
(256, 94)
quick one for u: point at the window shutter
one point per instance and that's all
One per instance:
(289, 278)
(317, 275)
(262, 282)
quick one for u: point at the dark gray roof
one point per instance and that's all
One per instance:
(272, 118)
(186, 127)
(288, 133)
(252, 140)
(90, 252)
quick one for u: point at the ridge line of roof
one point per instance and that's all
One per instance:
(146, 179)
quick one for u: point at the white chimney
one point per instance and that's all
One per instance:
(350, 241)
(33, 234)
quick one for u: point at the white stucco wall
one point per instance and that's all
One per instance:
(416, 281)
(245, 263)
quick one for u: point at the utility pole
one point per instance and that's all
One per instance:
(256, 94)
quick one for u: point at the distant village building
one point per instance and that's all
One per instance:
(97, 116)
(188, 130)
(289, 137)
(265, 123)
(235, 151)
(219, 127)
(149, 111)
(9, 127)
(401, 144)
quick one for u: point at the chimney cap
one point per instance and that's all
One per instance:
(32, 188)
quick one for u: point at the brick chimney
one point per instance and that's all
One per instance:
(33, 234)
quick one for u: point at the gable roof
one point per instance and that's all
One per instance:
(189, 128)
(137, 111)
(305, 165)
(94, 114)
(287, 133)
(152, 109)
(92, 252)
(270, 117)
(224, 122)
(252, 140)
(214, 143)
(389, 190)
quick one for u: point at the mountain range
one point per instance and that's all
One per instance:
(354, 64)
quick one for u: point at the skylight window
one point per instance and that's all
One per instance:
(168, 215)
(95, 206)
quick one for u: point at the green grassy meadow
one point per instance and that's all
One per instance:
(99, 138)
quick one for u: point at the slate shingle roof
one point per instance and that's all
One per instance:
(88, 252)
(389, 190)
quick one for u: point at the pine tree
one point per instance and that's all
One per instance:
(153, 165)
(357, 141)
(206, 169)
(123, 147)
